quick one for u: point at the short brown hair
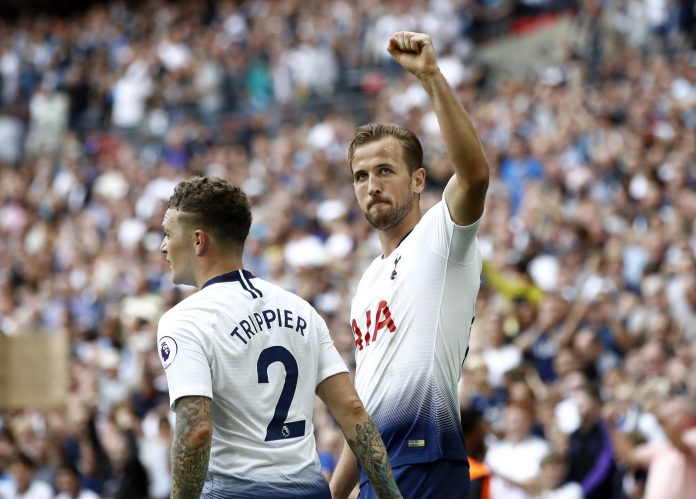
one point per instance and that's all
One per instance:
(372, 132)
(215, 205)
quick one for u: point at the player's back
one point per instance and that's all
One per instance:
(267, 350)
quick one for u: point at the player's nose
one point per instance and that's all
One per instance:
(373, 186)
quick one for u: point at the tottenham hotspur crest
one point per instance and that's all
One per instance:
(167, 350)
(394, 274)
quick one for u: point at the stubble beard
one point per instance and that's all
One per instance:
(385, 221)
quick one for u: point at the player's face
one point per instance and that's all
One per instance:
(382, 183)
(177, 247)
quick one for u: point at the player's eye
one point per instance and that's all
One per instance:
(360, 176)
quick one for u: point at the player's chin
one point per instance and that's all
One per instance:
(382, 221)
(176, 278)
(378, 210)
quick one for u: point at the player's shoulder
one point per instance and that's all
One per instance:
(439, 212)
(193, 309)
(440, 234)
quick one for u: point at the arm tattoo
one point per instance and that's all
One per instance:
(369, 449)
(191, 447)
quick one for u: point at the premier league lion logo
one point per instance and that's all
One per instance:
(167, 350)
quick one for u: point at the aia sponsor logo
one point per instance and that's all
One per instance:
(382, 320)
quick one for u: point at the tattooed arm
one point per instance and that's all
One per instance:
(340, 397)
(191, 447)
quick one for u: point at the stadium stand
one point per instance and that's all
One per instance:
(589, 234)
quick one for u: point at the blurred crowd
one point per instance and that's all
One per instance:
(582, 353)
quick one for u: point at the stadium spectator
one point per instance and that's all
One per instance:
(552, 484)
(24, 485)
(611, 223)
(515, 460)
(592, 461)
(500, 356)
(475, 432)
(69, 487)
(670, 464)
(476, 392)
(7, 451)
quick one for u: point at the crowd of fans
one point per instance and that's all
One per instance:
(582, 353)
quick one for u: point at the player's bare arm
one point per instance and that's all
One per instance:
(345, 475)
(191, 447)
(339, 395)
(466, 191)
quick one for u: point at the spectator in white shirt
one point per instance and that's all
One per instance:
(500, 356)
(68, 483)
(554, 468)
(515, 460)
(24, 486)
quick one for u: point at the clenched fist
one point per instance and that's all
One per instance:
(414, 52)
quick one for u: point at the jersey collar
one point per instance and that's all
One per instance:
(234, 276)
(402, 240)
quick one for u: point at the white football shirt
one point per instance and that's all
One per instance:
(411, 317)
(259, 353)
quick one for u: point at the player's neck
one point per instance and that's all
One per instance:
(392, 238)
(213, 268)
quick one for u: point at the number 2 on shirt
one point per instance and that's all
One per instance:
(278, 429)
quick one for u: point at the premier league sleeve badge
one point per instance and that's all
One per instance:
(167, 350)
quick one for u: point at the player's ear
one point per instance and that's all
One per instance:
(201, 240)
(418, 180)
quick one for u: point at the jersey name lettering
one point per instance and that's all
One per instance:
(267, 319)
(383, 318)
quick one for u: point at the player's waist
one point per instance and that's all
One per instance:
(261, 459)
(305, 484)
(412, 441)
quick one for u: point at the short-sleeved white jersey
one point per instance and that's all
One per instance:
(259, 353)
(411, 317)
